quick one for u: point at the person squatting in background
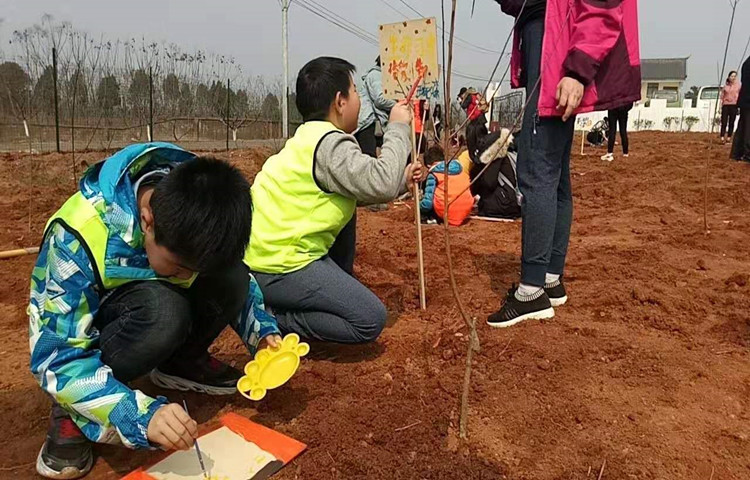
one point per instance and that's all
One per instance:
(460, 201)
(496, 184)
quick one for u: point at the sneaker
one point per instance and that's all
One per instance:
(66, 452)
(378, 207)
(625, 155)
(608, 157)
(205, 375)
(556, 292)
(515, 311)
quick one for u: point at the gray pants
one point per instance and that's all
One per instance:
(543, 174)
(323, 301)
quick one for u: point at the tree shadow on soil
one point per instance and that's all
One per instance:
(502, 268)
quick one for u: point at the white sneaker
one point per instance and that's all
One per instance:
(625, 155)
(608, 157)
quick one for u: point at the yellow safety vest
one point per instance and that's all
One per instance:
(294, 221)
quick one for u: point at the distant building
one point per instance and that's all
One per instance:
(663, 78)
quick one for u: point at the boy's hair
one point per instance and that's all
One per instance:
(202, 213)
(462, 91)
(433, 155)
(318, 83)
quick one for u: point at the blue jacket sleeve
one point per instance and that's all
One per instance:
(254, 322)
(428, 200)
(64, 358)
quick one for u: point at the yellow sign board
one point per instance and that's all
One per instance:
(407, 49)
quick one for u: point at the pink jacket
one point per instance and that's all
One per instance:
(730, 94)
(594, 41)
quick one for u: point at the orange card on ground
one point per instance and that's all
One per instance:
(238, 449)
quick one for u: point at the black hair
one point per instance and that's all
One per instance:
(462, 91)
(476, 131)
(433, 155)
(202, 213)
(730, 74)
(318, 83)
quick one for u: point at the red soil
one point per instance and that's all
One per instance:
(646, 367)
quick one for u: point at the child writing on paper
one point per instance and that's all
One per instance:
(138, 273)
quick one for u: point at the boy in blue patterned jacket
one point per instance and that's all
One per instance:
(138, 273)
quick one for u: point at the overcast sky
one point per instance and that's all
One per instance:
(250, 30)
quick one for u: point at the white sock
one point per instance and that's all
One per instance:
(527, 292)
(551, 278)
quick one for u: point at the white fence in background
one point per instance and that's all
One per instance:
(657, 116)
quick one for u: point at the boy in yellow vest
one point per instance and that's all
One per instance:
(304, 199)
(115, 295)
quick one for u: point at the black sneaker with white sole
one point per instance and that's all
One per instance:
(556, 292)
(66, 452)
(204, 374)
(514, 311)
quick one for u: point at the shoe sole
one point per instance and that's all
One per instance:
(558, 302)
(170, 382)
(540, 315)
(66, 473)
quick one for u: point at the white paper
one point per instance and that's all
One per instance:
(226, 455)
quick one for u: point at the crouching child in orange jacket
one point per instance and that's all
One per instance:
(459, 196)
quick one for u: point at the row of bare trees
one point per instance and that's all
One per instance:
(109, 84)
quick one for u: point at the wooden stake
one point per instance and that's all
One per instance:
(583, 137)
(418, 219)
(19, 252)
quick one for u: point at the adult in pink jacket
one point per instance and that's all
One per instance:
(572, 56)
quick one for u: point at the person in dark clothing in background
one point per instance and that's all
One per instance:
(614, 117)
(534, 10)
(741, 145)
(437, 120)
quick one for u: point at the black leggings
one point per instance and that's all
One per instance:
(728, 117)
(615, 117)
(367, 141)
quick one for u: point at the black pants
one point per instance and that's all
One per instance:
(145, 324)
(367, 141)
(728, 117)
(616, 117)
(741, 145)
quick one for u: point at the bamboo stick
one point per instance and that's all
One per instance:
(19, 252)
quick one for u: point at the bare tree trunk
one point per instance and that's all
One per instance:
(73, 126)
(473, 344)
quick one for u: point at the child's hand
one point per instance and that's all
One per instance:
(401, 113)
(273, 341)
(415, 172)
(172, 428)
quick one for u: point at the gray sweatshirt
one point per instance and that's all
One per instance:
(341, 167)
